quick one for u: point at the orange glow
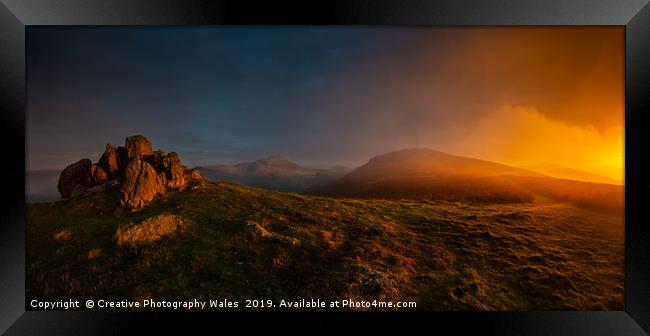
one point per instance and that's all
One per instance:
(519, 135)
(526, 96)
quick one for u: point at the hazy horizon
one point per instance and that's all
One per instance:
(325, 96)
(334, 165)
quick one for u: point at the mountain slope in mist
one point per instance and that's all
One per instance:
(427, 173)
(274, 173)
(557, 171)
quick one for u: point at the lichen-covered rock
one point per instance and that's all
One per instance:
(75, 177)
(140, 186)
(108, 161)
(136, 147)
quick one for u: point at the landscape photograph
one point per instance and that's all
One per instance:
(271, 167)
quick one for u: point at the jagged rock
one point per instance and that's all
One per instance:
(109, 162)
(99, 175)
(136, 147)
(143, 173)
(122, 158)
(175, 172)
(155, 159)
(140, 186)
(195, 174)
(75, 178)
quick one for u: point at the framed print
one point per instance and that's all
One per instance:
(471, 165)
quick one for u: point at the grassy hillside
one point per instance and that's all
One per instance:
(423, 173)
(560, 172)
(601, 197)
(443, 255)
(489, 189)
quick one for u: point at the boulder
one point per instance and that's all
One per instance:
(284, 240)
(109, 162)
(143, 173)
(176, 175)
(256, 231)
(195, 174)
(155, 159)
(136, 147)
(150, 230)
(75, 177)
(78, 191)
(99, 175)
(140, 186)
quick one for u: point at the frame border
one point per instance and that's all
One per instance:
(16, 15)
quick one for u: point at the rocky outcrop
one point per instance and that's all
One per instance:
(75, 178)
(175, 173)
(141, 172)
(137, 146)
(141, 185)
(99, 174)
(108, 161)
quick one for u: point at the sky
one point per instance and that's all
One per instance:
(325, 96)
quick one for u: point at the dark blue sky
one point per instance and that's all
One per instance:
(320, 96)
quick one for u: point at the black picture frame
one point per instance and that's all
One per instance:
(16, 15)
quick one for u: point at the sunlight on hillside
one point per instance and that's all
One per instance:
(520, 135)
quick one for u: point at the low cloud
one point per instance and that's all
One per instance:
(521, 135)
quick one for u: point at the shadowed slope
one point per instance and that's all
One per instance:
(425, 174)
(428, 174)
(443, 255)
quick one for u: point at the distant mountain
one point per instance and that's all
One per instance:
(432, 175)
(272, 166)
(569, 173)
(338, 170)
(274, 173)
(427, 173)
(40, 186)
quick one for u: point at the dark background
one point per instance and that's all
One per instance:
(15, 14)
